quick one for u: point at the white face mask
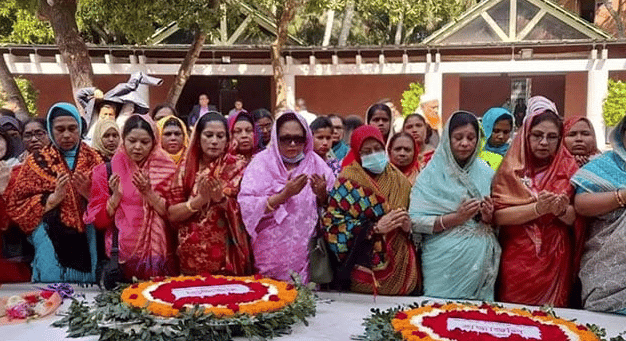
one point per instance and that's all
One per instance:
(375, 162)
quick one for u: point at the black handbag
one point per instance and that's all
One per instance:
(112, 272)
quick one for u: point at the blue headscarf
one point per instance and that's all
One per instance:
(489, 120)
(65, 109)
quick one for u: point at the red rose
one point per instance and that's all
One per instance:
(290, 287)
(274, 298)
(233, 307)
(539, 313)
(419, 333)
(258, 277)
(401, 315)
(32, 299)
(46, 294)
(133, 296)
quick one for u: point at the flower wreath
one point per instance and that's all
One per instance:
(193, 307)
(431, 322)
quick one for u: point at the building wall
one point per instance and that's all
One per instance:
(478, 94)
(351, 94)
(575, 94)
(451, 96)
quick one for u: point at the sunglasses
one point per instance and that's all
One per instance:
(287, 140)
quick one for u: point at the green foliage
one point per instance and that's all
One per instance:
(19, 25)
(614, 107)
(411, 98)
(113, 320)
(29, 93)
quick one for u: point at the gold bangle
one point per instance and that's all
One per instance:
(619, 199)
(443, 227)
(536, 210)
(188, 205)
(269, 207)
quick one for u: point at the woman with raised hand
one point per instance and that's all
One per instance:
(367, 225)
(452, 211)
(47, 197)
(131, 202)
(203, 204)
(174, 139)
(601, 196)
(281, 191)
(540, 234)
(580, 139)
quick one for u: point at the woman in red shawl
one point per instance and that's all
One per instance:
(580, 139)
(539, 235)
(404, 153)
(204, 208)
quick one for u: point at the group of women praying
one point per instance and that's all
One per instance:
(478, 209)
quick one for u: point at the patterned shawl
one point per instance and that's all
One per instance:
(35, 181)
(178, 157)
(359, 200)
(214, 239)
(603, 265)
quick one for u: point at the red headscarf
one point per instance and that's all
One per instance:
(571, 122)
(359, 135)
(232, 119)
(412, 167)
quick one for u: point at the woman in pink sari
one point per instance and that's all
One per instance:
(281, 193)
(141, 172)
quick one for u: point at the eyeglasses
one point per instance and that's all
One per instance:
(538, 137)
(39, 134)
(287, 140)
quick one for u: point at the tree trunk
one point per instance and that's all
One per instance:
(398, 38)
(185, 68)
(346, 25)
(62, 16)
(330, 18)
(619, 24)
(287, 14)
(14, 95)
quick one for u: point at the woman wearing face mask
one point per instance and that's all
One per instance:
(106, 138)
(203, 204)
(540, 234)
(141, 174)
(367, 224)
(452, 210)
(281, 191)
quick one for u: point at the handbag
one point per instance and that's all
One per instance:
(320, 264)
(112, 272)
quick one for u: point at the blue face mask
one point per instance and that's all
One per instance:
(293, 160)
(375, 162)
